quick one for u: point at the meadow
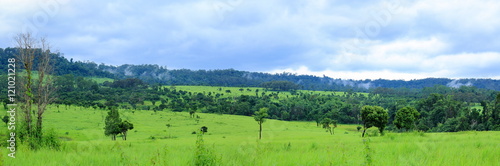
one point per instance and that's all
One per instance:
(250, 91)
(166, 138)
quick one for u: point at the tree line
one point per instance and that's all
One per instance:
(155, 74)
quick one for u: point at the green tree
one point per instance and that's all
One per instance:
(204, 129)
(280, 85)
(495, 114)
(124, 127)
(260, 116)
(5, 119)
(329, 125)
(374, 116)
(112, 124)
(406, 118)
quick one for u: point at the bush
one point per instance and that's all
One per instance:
(51, 140)
(372, 133)
(203, 155)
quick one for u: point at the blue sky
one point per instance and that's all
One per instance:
(391, 39)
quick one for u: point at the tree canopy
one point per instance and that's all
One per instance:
(280, 85)
(406, 118)
(374, 116)
(260, 116)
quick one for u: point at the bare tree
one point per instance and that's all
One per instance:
(26, 56)
(45, 87)
(39, 91)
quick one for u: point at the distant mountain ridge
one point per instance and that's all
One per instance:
(155, 74)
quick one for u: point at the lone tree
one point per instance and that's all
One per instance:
(112, 123)
(329, 125)
(124, 127)
(260, 116)
(374, 116)
(192, 113)
(204, 129)
(406, 118)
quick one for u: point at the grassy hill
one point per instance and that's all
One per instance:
(232, 140)
(238, 91)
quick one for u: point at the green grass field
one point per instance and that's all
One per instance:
(232, 140)
(100, 80)
(235, 91)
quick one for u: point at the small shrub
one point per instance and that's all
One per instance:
(203, 155)
(419, 133)
(288, 146)
(372, 133)
(314, 146)
(51, 140)
(194, 132)
(391, 136)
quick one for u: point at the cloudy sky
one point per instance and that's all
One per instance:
(391, 39)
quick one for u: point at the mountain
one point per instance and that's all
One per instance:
(155, 74)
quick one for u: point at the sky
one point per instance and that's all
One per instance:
(388, 39)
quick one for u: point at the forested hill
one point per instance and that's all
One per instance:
(155, 74)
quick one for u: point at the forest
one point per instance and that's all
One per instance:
(154, 74)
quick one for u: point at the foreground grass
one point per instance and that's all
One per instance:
(233, 141)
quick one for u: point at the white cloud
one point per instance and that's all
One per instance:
(462, 15)
(420, 39)
(357, 75)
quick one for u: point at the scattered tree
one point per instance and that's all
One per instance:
(329, 125)
(406, 118)
(112, 124)
(204, 129)
(124, 127)
(280, 85)
(5, 119)
(260, 116)
(192, 113)
(374, 116)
